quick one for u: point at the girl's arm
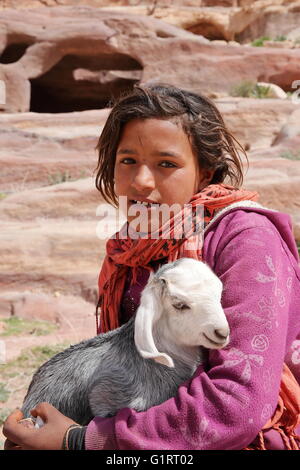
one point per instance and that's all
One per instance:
(226, 406)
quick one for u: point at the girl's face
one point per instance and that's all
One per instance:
(155, 163)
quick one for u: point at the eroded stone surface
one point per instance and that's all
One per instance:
(243, 20)
(75, 58)
(78, 58)
(43, 149)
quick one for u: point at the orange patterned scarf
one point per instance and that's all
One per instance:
(286, 417)
(123, 254)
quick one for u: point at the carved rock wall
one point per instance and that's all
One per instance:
(72, 58)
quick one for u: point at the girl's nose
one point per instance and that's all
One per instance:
(143, 179)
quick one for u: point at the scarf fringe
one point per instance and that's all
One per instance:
(289, 440)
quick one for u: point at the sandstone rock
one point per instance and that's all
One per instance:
(221, 19)
(45, 149)
(219, 42)
(243, 20)
(278, 182)
(54, 3)
(127, 3)
(223, 3)
(50, 259)
(279, 44)
(255, 122)
(290, 129)
(161, 51)
(294, 35)
(71, 333)
(67, 126)
(54, 46)
(65, 311)
(228, 3)
(271, 19)
(212, 23)
(38, 219)
(50, 242)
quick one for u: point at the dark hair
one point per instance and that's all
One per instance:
(212, 143)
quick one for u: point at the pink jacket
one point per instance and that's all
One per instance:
(225, 405)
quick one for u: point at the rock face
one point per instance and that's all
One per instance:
(40, 212)
(275, 173)
(55, 3)
(243, 20)
(50, 260)
(128, 3)
(55, 247)
(45, 149)
(290, 129)
(62, 66)
(273, 20)
(256, 122)
(73, 59)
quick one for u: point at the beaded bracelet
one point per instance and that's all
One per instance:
(65, 439)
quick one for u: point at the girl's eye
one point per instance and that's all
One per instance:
(123, 161)
(169, 163)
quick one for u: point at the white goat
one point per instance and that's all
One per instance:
(142, 363)
(180, 310)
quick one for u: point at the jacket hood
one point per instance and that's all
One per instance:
(280, 220)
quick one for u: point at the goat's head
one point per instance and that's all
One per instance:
(184, 299)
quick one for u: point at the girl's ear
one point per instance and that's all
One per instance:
(208, 175)
(204, 178)
(148, 313)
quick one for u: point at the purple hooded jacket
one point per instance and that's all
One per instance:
(224, 406)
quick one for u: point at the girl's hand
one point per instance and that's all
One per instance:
(48, 437)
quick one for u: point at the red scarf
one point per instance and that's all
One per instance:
(287, 414)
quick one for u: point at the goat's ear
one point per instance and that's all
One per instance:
(164, 359)
(147, 314)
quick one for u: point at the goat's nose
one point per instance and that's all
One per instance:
(222, 333)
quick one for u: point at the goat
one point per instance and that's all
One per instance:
(142, 363)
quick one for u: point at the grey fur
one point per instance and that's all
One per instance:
(99, 376)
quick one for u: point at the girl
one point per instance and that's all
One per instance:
(164, 145)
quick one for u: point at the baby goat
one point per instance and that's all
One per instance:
(142, 363)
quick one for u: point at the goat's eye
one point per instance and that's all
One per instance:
(181, 306)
